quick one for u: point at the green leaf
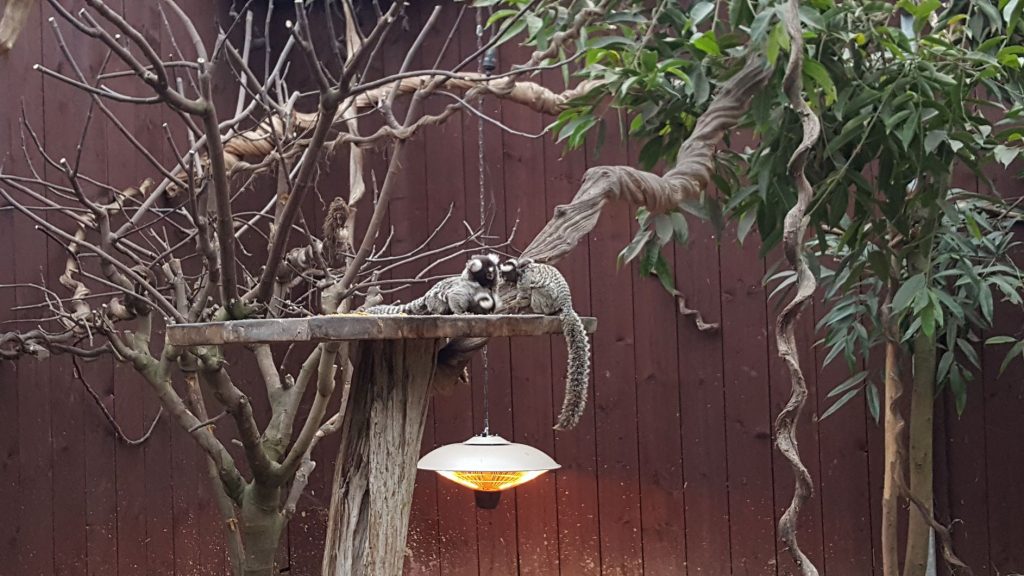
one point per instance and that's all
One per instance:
(651, 253)
(1016, 350)
(819, 75)
(633, 248)
(848, 384)
(760, 25)
(500, 15)
(995, 340)
(664, 273)
(663, 227)
(643, 216)
(958, 387)
(944, 364)
(909, 129)
(908, 291)
(933, 138)
(1011, 14)
(680, 228)
(1006, 154)
(700, 11)
(777, 41)
(811, 18)
(707, 43)
(874, 403)
(740, 12)
(919, 11)
(606, 41)
(839, 404)
(985, 301)
(746, 223)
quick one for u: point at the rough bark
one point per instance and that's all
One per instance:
(12, 21)
(381, 435)
(795, 228)
(686, 180)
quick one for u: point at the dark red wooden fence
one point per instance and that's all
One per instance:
(671, 471)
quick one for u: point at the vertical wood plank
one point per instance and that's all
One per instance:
(614, 392)
(70, 407)
(10, 382)
(967, 455)
(532, 381)
(663, 505)
(34, 547)
(660, 445)
(1003, 405)
(575, 450)
(702, 393)
(14, 375)
(747, 407)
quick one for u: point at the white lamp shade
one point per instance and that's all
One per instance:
(488, 463)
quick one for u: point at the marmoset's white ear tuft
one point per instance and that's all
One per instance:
(475, 265)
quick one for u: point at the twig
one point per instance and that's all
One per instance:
(118, 431)
(208, 422)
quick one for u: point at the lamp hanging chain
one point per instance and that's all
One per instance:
(483, 211)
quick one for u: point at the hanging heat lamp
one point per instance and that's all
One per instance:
(488, 464)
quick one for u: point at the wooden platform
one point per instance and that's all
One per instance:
(364, 327)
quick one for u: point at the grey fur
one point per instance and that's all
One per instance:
(468, 293)
(541, 289)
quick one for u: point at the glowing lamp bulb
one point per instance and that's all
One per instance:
(487, 465)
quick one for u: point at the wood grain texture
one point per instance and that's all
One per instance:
(364, 327)
(533, 387)
(748, 416)
(702, 408)
(676, 408)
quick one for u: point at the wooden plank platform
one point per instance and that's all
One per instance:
(365, 327)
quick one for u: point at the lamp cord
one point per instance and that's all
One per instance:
(483, 211)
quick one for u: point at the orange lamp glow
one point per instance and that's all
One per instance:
(488, 464)
(490, 481)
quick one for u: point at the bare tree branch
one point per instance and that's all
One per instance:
(118, 431)
(686, 180)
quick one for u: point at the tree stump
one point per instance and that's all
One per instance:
(381, 435)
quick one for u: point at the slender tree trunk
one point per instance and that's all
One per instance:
(376, 467)
(226, 507)
(260, 524)
(920, 455)
(893, 452)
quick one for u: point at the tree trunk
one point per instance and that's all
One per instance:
(920, 455)
(260, 524)
(893, 457)
(375, 471)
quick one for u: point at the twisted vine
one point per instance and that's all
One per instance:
(793, 240)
